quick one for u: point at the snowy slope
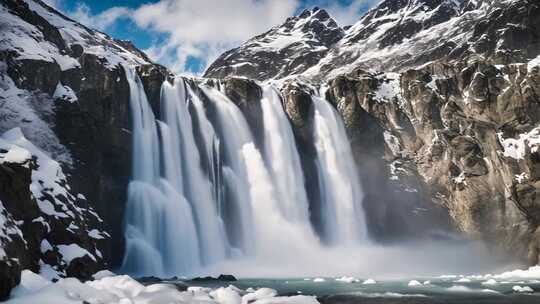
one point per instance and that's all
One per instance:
(37, 39)
(28, 41)
(399, 34)
(289, 48)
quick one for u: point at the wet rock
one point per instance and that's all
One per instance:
(246, 94)
(227, 278)
(222, 277)
(10, 276)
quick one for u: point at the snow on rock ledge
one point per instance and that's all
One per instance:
(54, 224)
(517, 147)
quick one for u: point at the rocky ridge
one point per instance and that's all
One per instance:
(289, 48)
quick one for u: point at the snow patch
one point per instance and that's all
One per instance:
(516, 147)
(533, 63)
(65, 93)
(73, 251)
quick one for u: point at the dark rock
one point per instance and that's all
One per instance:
(152, 280)
(246, 94)
(222, 277)
(10, 276)
(76, 50)
(227, 278)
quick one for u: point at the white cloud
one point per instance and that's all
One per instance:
(100, 21)
(203, 29)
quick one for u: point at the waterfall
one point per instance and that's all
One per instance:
(341, 195)
(283, 159)
(235, 134)
(156, 210)
(197, 187)
(203, 192)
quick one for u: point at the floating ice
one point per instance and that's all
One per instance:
(524, 289)
(347, 279)
(369, 282)
(490, 282)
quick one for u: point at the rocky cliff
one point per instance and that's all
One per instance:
(64, 89)
(441, 102)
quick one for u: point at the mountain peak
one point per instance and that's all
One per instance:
(314, 12)
(291, 47)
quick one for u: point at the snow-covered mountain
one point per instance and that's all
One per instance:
(400, 34)
(289, 48)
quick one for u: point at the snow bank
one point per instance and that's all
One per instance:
(533, 273)
(123, 289)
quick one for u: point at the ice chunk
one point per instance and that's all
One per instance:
(524, 289)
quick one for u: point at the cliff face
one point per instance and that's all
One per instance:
(63, 86)
(441, 103)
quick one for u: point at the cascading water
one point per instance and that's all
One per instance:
(283, 159)
(235, 134)
(155, 210)
(194, 202)
(343, 217)
(196, 187)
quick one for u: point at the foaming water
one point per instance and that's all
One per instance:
(398, 261)
(206, 199)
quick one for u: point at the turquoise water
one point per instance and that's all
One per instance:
(439, 290)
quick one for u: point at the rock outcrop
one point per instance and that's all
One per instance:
(64, 87)
(46, 226)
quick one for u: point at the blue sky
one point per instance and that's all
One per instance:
(187, 35)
